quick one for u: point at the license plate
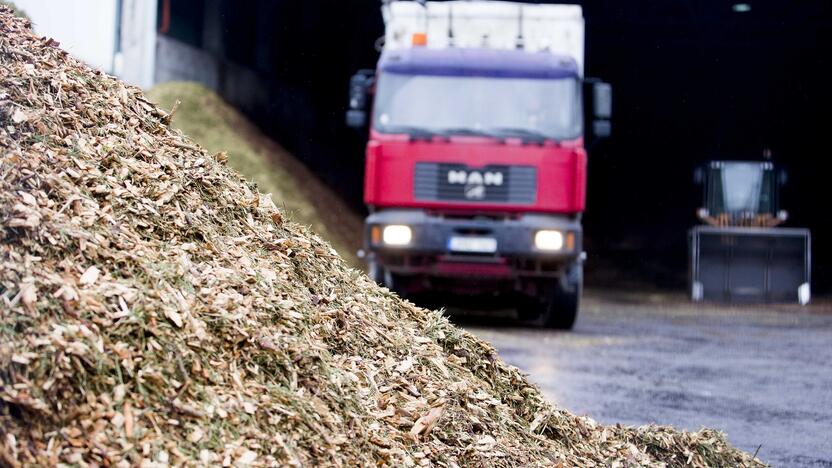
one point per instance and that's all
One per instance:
(472, 244)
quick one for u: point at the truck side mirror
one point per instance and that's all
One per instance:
(599, 95)
(783, 177)
(602, 100)
(356, 118)
(601, 128)
(699, 176)
(360, 85)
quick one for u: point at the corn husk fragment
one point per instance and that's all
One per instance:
(156, 310)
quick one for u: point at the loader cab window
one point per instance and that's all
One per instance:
(741, 188)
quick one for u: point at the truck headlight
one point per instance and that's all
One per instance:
(396, 234)
(548, 240)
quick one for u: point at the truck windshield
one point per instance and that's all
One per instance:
(473, 105)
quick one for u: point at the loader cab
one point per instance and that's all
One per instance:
(741, 192)
(739, 255)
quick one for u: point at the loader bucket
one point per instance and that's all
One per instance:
(750, 265)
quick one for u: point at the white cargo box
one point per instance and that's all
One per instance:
(487, 24)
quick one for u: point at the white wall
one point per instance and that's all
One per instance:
(87, 30)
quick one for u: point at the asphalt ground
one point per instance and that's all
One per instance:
(761, 374)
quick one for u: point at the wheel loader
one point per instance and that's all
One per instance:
(741, 253)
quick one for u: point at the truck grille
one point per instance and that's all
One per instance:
(489, 184)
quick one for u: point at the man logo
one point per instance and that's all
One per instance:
(475, 178)
(475, 182)
(457, 177)
(494, 178)
(475, 192)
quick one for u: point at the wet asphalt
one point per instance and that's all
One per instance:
(761, 374)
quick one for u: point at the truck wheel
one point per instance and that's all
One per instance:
(375, 271)
(383, 277)
(558, 308)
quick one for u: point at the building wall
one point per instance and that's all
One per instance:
(136, 57)
(88, 29)
(178, 61)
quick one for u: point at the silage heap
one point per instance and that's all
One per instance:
(155, 308)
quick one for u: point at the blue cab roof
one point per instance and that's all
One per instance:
(478, 62)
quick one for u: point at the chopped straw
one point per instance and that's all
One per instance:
(155, 309)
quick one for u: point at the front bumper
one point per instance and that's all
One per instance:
(429, 251)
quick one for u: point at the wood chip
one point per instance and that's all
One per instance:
(90, 276)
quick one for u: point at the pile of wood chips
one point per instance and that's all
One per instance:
(155, 309)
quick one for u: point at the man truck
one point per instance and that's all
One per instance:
(476, 167)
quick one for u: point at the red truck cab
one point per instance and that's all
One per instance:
(476, 175)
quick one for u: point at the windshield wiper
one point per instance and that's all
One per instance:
(465, 132)
(416, 133)
(471, 132)
(420, 133)
(523, 133)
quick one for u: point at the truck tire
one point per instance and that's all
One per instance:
(383, 277)
(375, 271)
(558, 308)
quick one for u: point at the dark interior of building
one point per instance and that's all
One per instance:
(693, 81)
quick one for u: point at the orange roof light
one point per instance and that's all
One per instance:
(420, 39)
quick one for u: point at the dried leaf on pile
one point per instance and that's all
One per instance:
(427, 422)
(155, 309)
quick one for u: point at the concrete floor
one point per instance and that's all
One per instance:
(761, 374)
